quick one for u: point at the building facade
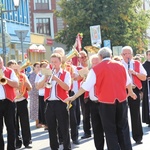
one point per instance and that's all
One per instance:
(44, 22)
(16, 21)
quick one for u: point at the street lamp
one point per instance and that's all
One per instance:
(16, 5)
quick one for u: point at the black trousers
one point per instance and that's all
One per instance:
(7, 112)
(85, 107)
(22, 118)
(97, 126)
(115, 124)
(73, 119)
(78, 113)
(57, 115)
(42, 106)
(134, 106)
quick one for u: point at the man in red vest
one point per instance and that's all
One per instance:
(7, 105)
(22, 116)
(56, 109)
(111, 80)
(137, 74)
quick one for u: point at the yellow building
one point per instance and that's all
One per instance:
(40, 47)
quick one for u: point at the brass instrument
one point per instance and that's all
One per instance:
(70, 55)
(92, 49)
(49, 82)
(21, 90)
(3, 80)
(25, 65)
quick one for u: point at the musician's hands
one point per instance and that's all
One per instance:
(69, 99)
(130, 71)
(133, 95)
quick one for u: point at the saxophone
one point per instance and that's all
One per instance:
(20, 91)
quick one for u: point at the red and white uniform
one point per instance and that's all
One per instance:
(138, 67)
(107, 89)
(7, 91)
(56, 92)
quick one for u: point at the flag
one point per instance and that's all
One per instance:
(78, 46)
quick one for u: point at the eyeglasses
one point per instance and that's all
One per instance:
(126, 54)
(83, 57)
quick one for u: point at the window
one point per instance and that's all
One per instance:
(43, 26)
(42, 4)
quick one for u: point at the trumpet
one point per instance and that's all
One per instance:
(3, 80)
(49, 82)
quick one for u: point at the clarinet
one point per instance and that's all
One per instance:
(128, 63)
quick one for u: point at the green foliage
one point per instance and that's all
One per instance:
(123, 22)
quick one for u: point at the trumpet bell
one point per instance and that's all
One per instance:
(91, 49)
(3, 80)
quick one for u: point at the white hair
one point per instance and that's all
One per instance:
(59, 50)
(105, 52)
(92, 57)
(127, 48)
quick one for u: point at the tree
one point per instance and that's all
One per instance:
(123, 22)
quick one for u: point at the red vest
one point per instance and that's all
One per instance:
(79, 81)
(23, 89)
(9, 91)
(60, 92)
(110, 81)
(136, 80)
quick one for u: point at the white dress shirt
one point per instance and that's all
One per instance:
(141, 70)
(37, 78)
(92, 95)
(13, 77)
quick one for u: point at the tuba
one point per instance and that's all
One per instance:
(3, 80)
(70, 55)
(92, 49)
(25, 65)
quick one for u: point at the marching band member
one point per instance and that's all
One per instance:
(137, 74)
(22, 115)
(42, 104)
(56, 112)
(112, 107)
(72, 111)
(85, 105)
(7, 106)
(95, 116)
(146, 88)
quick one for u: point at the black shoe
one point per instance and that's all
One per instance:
(139, 142)
(60, 142)
(28, 146)
(76, 142)
(18, 146)
(85, 136)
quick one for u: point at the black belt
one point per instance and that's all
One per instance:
(1, 100)
(56, 100)
(95, 101)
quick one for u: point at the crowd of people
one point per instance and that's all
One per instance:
(111, 85)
